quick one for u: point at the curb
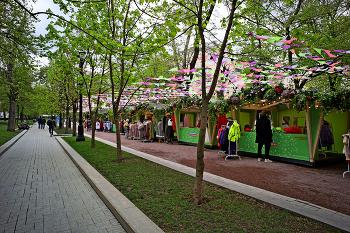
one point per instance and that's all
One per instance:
(11, 142)
(130, 217)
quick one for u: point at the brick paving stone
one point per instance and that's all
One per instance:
(41, 190)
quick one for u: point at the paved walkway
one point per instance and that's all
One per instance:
(41, 190)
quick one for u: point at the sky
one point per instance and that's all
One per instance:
(42, 6)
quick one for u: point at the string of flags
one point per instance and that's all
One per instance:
(180, 84)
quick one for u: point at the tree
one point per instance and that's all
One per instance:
(16, 42)
(317, 23)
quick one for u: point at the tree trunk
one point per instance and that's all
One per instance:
(17, 118)
(22, 115)
(93, 128)
(67, 118)
(184, 62)
(74, 121)
(197, 192)
(12, 98)
(60, 123)
(117, 132)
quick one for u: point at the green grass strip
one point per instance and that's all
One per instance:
(164, 195)
(62, 131)
(5, 136)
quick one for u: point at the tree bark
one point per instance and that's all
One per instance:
(12, 98)
(117, 132)
(17, 118)
(67, 118)
(60, 123)
(93, 128)
(22, 115)
(197, 192)
(74, 121)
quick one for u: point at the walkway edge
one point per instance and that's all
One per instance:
(296, 206)
(11, 142)
(130, 217)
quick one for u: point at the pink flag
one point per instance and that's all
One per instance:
(287, 105)
(329, 53)
(278, 65)
(334, 64)
(319, 58)
(288, 41)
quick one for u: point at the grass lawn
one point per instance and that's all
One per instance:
(62, 131)
(164, 195)
(4, 134)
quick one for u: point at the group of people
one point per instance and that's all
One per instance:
(41, 122)
(51, 123)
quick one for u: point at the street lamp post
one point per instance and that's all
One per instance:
(80, 136)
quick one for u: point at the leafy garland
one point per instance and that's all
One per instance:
(337, 100)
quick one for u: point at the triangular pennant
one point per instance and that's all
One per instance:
(318, 50)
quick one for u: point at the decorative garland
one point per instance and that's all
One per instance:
(337, 100)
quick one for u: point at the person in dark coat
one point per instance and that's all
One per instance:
(264, 135)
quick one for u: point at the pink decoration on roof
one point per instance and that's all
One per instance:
(279, 64)
(334, 64)
(250, 75)
(329, 53)
(319, 58)
(289, 41)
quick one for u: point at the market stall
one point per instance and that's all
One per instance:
(297, 136)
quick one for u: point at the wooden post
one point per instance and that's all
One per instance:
(318, 133)
(176, 125)
(309, 136)
(213, 134)
(233, 112)
(273, 124)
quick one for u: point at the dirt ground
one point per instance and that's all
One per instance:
(323, 186)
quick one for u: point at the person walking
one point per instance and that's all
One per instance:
(39, 122)
(43, 122)
(264, 135)
(88, 124)
(51, 123)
